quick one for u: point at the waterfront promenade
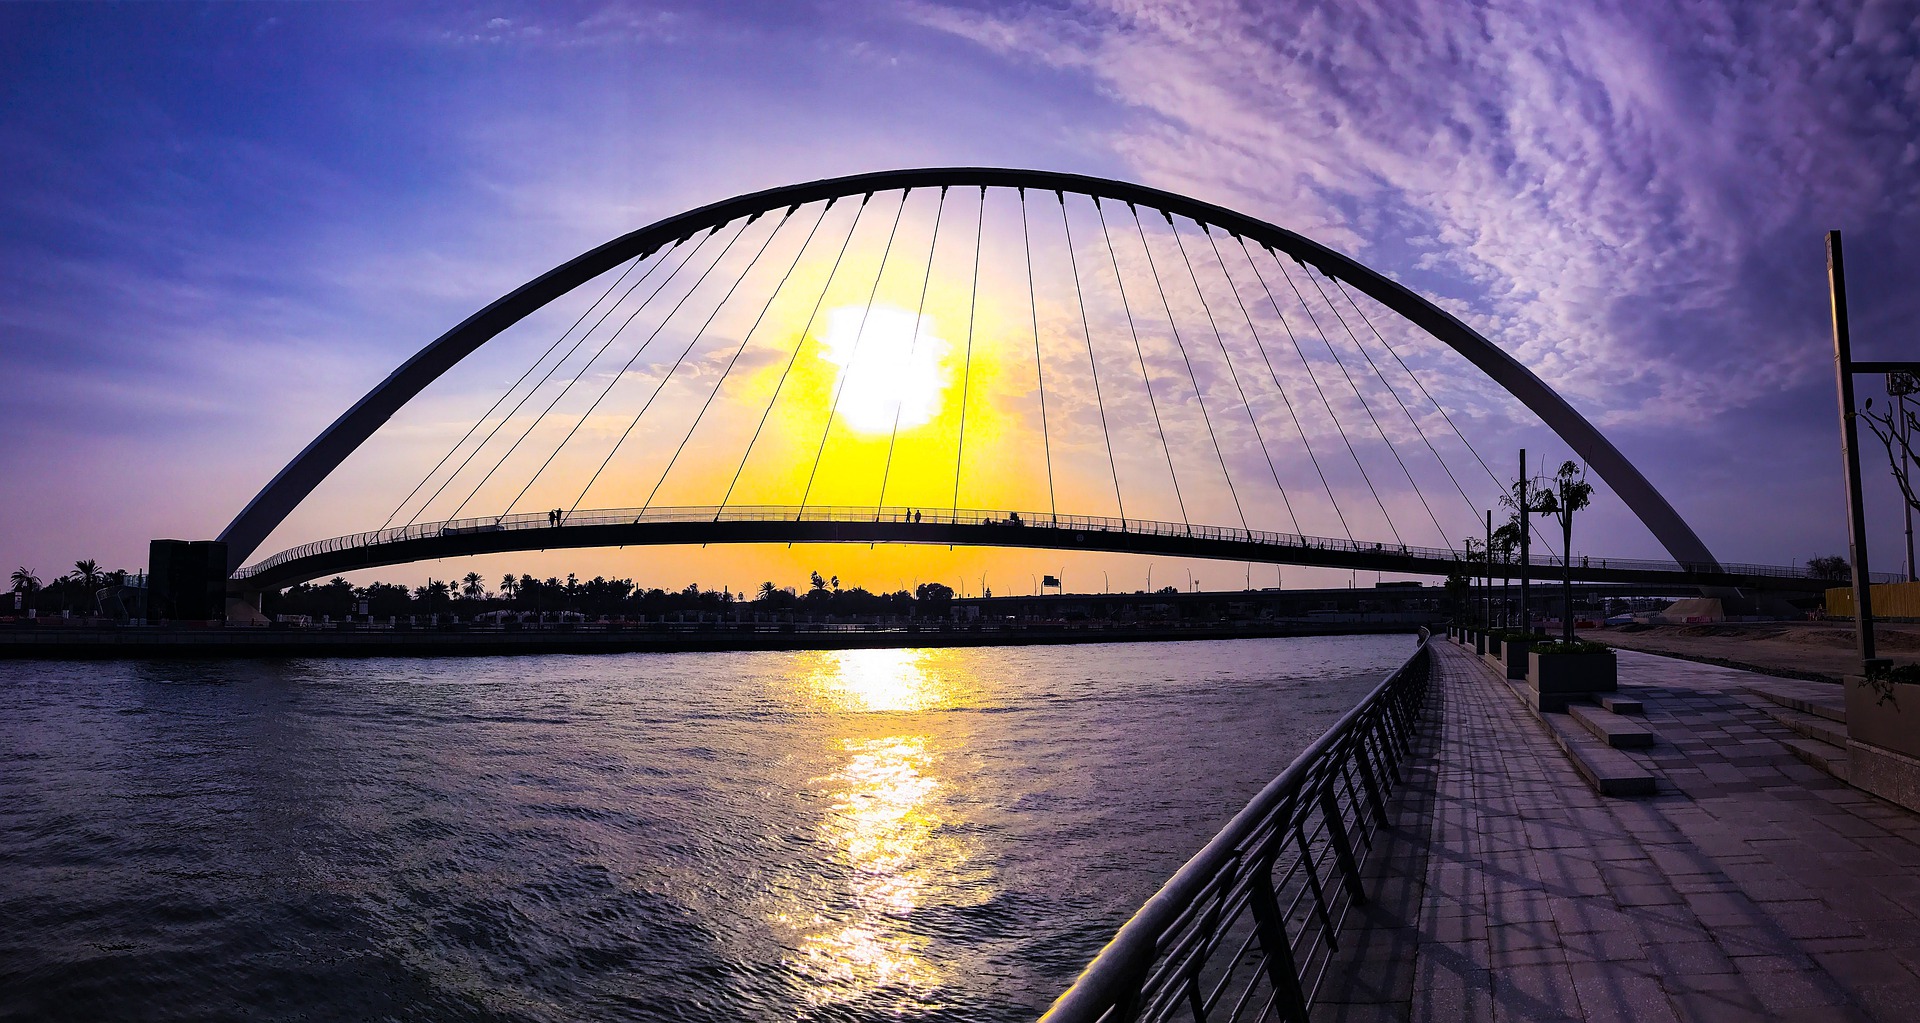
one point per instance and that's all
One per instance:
(1750, 887)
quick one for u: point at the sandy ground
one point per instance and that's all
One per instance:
(1823, 650)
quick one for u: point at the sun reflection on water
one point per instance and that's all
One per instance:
(880, 826)
(895, 848)
(879, 680)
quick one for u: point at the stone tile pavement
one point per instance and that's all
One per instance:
(1751, 887)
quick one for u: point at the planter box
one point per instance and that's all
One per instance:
(1513, 653)
(1883, 733)
(1559, 679)
(1887, 716)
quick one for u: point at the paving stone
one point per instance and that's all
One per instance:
(1611, 993)
(1750, 888)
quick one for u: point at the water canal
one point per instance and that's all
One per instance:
(844, 835)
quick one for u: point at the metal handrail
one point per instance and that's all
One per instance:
(1247, 928)
(976, 517)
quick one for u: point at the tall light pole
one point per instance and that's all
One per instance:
(1488, 549)
(1526, 557)
(1850, 452)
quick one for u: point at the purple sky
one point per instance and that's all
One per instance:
(220, 224)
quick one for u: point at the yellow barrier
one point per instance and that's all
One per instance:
(1890, 600)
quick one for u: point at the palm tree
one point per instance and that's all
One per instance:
(473, 586)
(86, 572)
(24, 580)
(767, 590)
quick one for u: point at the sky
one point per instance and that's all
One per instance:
(221, 224)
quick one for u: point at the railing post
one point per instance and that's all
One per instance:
(1282, 972)
(1342, 844)
(1314, 886)
(1367, 739)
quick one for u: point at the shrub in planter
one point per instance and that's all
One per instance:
(1884, 709)
(1559, 672)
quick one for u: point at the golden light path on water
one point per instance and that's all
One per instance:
(885, 824)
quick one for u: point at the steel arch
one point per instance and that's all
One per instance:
(325, 453)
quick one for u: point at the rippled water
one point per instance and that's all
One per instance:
(876, 834)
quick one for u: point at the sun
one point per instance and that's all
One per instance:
(890, 365)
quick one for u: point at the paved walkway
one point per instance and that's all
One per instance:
(1752, 887)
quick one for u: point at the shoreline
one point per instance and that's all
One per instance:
(142, 643)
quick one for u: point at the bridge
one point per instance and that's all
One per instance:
(640, 527)
(1153, 353)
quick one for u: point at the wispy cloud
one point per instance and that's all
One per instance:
(1617, 193)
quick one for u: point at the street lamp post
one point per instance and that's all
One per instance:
(1526, 548)
(1529, 498)
(1845, 369)
(1488, 549)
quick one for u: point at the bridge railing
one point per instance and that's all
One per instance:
(1542, 565)
(1247, 928)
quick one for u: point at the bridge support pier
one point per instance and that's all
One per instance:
(187, 580)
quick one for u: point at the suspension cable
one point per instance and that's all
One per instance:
(1415, 423)
(1206, 307)
(692, 342)
(1039, 374)
(737, 352)
(1141, 354)
(913, 345)
(1073, 263)
(582, 372)
(1394, 451)
(966, 378)
(799, 343)
(840, 385)
(1198, 397)
(1260, 345)
(662, 325)
(1324, 400)
(491, 409)
(551, 370)
(1337, 283)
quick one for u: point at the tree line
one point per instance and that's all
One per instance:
(469, 595)
(74, 591)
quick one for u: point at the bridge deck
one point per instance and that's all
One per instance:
(628, 527)
(1751, 887)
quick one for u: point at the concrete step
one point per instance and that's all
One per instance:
(1823, 756)
(1623, 705)
(1609, 771)
(1611, 728)
(1817, 698)
(1810, 726)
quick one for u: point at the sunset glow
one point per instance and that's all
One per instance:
(890, 364)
